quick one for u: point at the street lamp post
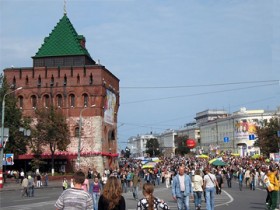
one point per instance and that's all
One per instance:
(80, 131)
(2, 136)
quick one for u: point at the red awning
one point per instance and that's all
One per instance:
(66, 155)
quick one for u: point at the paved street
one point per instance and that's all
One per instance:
(230, 199)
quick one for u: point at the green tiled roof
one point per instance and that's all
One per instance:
(62, 41)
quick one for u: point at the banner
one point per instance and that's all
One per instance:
(8, 160)
(110, 106)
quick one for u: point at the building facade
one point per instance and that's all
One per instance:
(234, 133)
(66, 77)
(137, 144)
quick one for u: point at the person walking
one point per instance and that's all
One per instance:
(24, 185)
(123, 181)
(240, 179)
(210, 182)
(167, 176)
(85, 185)
(96, 190)
(31, 185)
(46, 179)
(273, 179)
(182, 189)
(229, 178)
(136, 182)
(197, 188)
(219, 178)
(76, 197)
(111, 198)
(104, 179)
(64, 184)
(149, 202)
(22, 175)
(38, 180)
(247, 177)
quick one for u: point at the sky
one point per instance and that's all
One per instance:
(173, 58)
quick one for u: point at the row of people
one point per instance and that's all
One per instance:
(110, 199)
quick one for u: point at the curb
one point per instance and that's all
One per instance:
(16, 188)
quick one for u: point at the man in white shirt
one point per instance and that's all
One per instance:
(182, 189)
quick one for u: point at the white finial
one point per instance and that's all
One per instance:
(64, 7)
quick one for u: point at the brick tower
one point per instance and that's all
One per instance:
(65, 76)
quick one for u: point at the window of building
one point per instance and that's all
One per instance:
(39, 81)
(85, 71)
(14, 82)
(91, 79)
(77, 132)
(85, 97)
(20, 102)
(65, 80)
(46, 100)
(26, 80)
(78, 79)
(52, 81)
(72, 100)
(59, 100)
(34, 101)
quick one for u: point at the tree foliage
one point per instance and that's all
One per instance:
(268, 141)
(152, 147)
(50, 130)
(17, 142)
(180, 142)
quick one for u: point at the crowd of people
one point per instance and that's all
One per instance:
(191, 179)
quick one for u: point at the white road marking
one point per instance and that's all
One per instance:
(226, 203)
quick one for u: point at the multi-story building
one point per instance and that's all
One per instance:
(216, 131)
(137, 144)
(235, 133)
(65, 76)
(167, 142)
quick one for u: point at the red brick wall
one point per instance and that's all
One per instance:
(102, 80)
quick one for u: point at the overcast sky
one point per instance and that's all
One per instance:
(173, 58)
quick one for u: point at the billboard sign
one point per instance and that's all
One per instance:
(8, 159)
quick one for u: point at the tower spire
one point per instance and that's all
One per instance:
(64, 7)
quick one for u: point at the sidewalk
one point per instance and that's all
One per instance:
(12, 185)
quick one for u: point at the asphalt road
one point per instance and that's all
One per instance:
(230, 199)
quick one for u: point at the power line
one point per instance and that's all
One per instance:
(203, 85)
(197, 94)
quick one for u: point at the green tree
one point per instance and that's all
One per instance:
(152, 147)
(180, 142)
(51, 129)
(17, 142)
(268, 141)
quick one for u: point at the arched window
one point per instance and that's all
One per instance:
(34, 101)
(20, 102)
(72, 100)
(46, 100)
(59, 100)
(85, 97)
(77, 132)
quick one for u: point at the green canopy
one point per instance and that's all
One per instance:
(218, 163)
